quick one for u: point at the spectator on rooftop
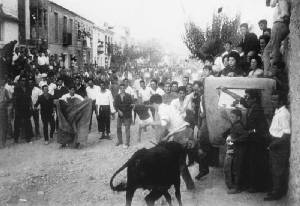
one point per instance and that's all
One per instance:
(209, 60)
(249, 40)
(207, 71)
(255, 67)
(280, 30)
(233, 69)
(263, 26)
(263, 41)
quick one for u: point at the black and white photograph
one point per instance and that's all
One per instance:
(149, 102)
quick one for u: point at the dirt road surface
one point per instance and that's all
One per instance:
(34, 174)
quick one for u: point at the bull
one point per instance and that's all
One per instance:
(155, 169)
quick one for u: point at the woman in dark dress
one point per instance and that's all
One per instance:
(256, 173)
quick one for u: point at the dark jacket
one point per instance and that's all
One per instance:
(22, 102)
(236, 70)
(250, 43)
(58, 93)
(81, 91)
(237, 132)
(124, 106)
(47, 105)
(256, 120)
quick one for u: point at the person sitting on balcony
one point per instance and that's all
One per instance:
(233, 69)
(255, 67)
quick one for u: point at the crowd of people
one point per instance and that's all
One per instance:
(166, 100)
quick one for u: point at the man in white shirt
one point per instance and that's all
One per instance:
(41, 59)
(127, 75)
(92, 92)
(154, 89)
(183, 102)
(35, 93)
(136, 83)
(279, 149)
(51, 85)
(174, 128)
(71, 95)
(104, 108)
(144, 92)
(44, 80)
(129, 90)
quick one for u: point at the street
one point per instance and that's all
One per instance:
(36, 175)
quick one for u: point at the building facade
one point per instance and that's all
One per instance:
(9, 21)
(69, 36)
(102, 46)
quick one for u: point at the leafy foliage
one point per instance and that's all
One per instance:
(194, 39)
(211, 41)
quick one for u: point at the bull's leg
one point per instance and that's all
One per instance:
(152, 197)
(177, 192)
(168, 197)
(129, 196)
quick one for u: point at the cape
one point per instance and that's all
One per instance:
(73, 121)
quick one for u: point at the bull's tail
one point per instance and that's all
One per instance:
(123, 185)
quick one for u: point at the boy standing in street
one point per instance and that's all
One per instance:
(236, 137)
(46, 101)
(104, 108)
(123, 105)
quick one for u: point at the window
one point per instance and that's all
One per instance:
(65, 27)
(56, 26)
(71, 25)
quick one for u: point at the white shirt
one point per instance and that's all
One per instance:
(52, 87)
(128, 76)
(171, 118)
(130, 91)
(256, 73)
(144, 94)
(105, 98)
(181, 107)
(92, 93)
(157, 91)
(17, 78)
(10, 89)
(136, 84)
(46, 59)
(41, 60)
(281, 122)
(36, 92)
(67, 96)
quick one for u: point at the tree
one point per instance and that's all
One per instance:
(211, 41)
(194, 39)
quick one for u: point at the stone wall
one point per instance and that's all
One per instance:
(294, 81)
